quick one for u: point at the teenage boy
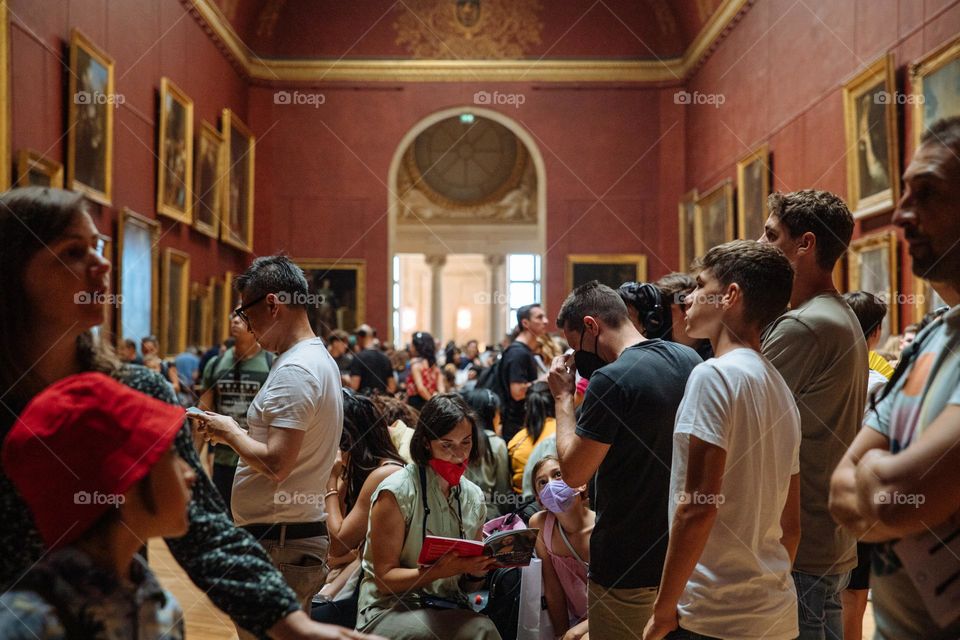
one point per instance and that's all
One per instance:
(735, 483)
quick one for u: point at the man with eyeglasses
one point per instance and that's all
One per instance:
(294, 426)
(229, 384)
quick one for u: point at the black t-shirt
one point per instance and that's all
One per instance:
(374, 369)
(631, 404)
(517, 364)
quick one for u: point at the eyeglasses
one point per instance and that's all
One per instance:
(240, 311)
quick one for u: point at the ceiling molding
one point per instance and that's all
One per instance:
(668, 70)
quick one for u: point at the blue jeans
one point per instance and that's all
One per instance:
(683, 634)
(819, 610)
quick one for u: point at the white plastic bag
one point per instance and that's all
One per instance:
(533, 622)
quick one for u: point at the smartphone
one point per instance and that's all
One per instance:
(196, 414)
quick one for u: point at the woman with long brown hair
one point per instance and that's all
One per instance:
(53, 291)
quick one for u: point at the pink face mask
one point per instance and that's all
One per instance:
(557, 496)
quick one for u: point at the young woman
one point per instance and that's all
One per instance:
(399, 598)
(54, 290)
(491, 471)
(367, 457)
(540, 423)
(425, 379)
(564, 547)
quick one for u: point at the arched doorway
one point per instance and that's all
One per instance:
(467, 198)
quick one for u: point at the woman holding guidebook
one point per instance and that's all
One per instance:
(398, 597)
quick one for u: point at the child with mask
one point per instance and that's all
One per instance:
(564, 547)
(95, 463)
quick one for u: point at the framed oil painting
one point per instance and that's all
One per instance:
(5, 154)
(870, 119)
(872, 267)
(33, 170)
(753, 187)
(926, 299)
(713, 218)
(174, 300)
(236, 222)
(175, 158)
(200, 317)
(610, 269)
(91, 103)
(935, 78)
(340, 287)
(137, 256)
(207, 181)
(685, 212)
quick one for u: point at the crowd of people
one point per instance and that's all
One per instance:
(725, 454)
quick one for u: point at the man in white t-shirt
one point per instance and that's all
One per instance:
(294, 425)
(735, 484)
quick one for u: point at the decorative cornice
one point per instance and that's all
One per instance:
(668, 70)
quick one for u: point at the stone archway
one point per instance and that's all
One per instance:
(439, 237)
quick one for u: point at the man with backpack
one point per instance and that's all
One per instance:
(230, 383)
(517, 368)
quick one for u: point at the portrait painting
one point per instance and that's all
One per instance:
(870, 113)
(208, 182)
(174, 300)
(338, 294)
(175, 157)
(609, 269)
(237, 218)
(872, 267)
(90, 112)
(753, 188)
(34, 170)
(713, 218)
(685, 212)
(200, 316)
(936, 87)
(137, 256)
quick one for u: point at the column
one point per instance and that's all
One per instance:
(498, 295)
(436, 262)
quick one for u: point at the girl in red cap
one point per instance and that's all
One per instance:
(95, 463)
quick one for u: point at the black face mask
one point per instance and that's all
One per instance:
(585, 361)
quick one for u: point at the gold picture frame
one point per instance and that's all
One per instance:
(344, 304)
(872, 267)
(221, 293)
(175, 300)
(686, 210)
(208, 181)
(34, 170)
(713, 217)
(91, 102)
(932, 79)
(6, 170)
(753, 188)
(236, 221)
(137, 277)
(200, 316)
(175, 153)
(607, 268)
(870, 122)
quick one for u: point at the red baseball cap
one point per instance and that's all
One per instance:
(79, 445)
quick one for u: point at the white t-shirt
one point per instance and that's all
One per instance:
(741, 586)
(302, 392)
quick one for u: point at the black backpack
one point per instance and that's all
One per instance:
(503, 603)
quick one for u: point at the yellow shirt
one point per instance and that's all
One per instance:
(880, 364)
(520, 448)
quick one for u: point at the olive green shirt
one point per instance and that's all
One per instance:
(443, 521)
(819, 350)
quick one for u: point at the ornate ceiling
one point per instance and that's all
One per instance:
(656, 40)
